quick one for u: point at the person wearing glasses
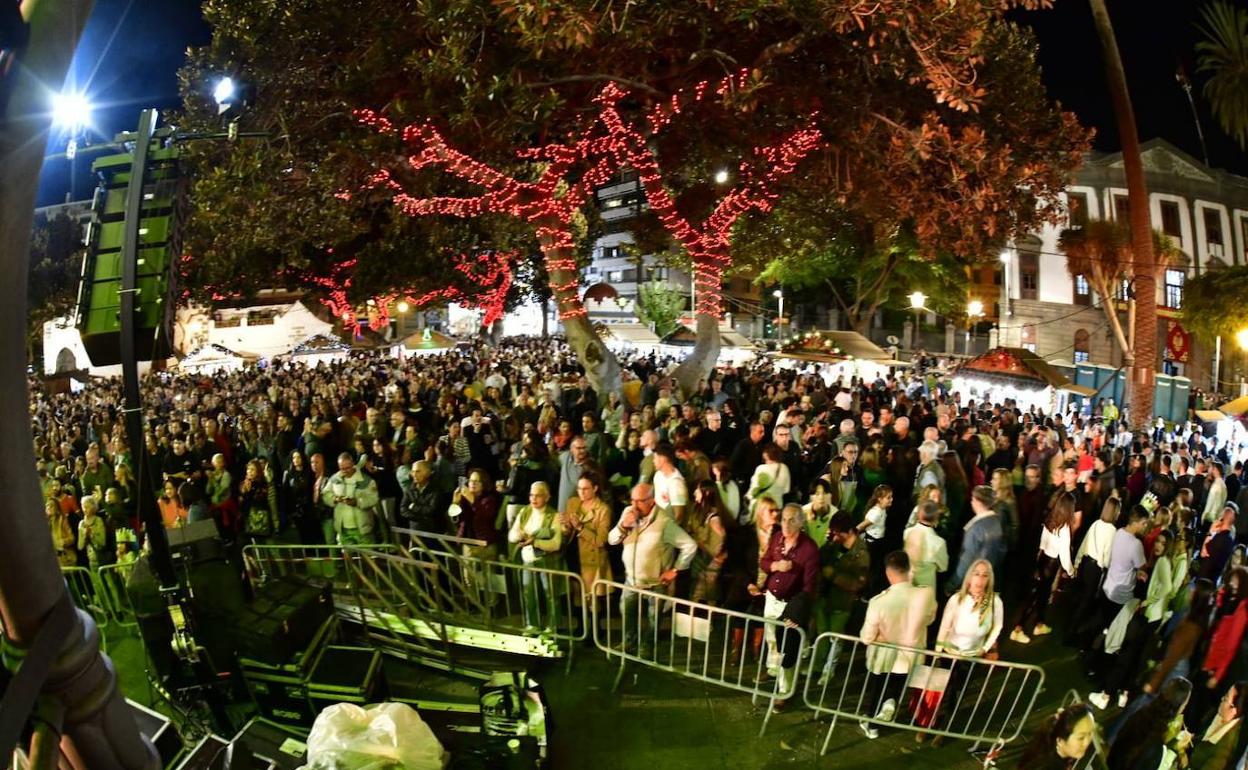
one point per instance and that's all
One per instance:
(655, 550)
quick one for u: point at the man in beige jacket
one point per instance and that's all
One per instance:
(897, 617)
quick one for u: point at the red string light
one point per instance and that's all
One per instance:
(604, 146)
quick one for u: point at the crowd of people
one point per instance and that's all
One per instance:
(891, 510)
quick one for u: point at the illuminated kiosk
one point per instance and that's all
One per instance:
(213, 358)
(837, 355)
(318, 349)
(735, 348)
(425, 342)
(1016, 374)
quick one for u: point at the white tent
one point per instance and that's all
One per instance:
(213, 358)
(320, 348)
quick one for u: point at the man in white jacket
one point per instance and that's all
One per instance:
(1215, 499)
(899, 615)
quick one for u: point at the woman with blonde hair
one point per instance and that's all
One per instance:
(63, 540)
(587, 520)
(969, 628)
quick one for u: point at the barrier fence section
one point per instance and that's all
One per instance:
(85, 591)
(111, 579)
(430, 595)
(747, 653)
(937, 693)
(1097, 753)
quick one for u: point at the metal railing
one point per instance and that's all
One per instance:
(736, 650)
(430, 596)
(111, 579)
(84, 589)
(973, 699)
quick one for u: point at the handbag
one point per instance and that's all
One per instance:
(929, 678)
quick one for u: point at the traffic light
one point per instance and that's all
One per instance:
(160, 222)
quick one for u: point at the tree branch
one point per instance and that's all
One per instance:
(636, 85)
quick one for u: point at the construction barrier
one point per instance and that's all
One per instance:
(747, 653)
(937, 693)
(84, 589)
(111, 579)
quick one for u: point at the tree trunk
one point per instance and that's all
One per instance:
(600, 365)
(545, 318)
(99, 732)
(700, 362)
(1145, 347)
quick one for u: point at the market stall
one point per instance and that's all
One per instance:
(213, 358)
(633, 336)
(425, 342)
(734, 348)
(1015, 374)
(320, 348)
(836, 355)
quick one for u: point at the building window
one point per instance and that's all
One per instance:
(1082, 344)
(1122, 208)
(228, 322)
(1213, 226)
(1029, 275)
(261, 317)
(615, 276)
(1170, 219)
(1077, 209)
(612, 252)
(1174, 288)
(1083, 292)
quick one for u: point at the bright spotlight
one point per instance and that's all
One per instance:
(917, 299)
(71, 110)
(974, 308)
(402, 307)
(224, 90)
(1005, 256)
(721, 176)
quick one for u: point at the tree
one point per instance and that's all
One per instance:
(56, 252)
(1102, 252)
(824, 247)
(1223, 57)
(934, 144)
(1213, 302)
(1144, 361)
(659, 305)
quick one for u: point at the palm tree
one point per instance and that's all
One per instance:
(1224, 58)
(1102, 252)
(1144, 361)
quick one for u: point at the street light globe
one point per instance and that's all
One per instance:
(402, 307)
(778, 293)
(974, 308)
(721, 176)
(223, 92)
(1241, 337)
(71, 110)
(1005, 256)
(917, 299)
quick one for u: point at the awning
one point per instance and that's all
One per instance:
(829, 346)
(636, 334)
(1019, 367)
(1235, 408)
(1210, 415)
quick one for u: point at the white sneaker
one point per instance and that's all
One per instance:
(1100, 700)
(868, 730)
(1017, 635)
(1122, 699)
(887, 711)
(1041, 630)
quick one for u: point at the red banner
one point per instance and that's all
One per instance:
(1178, 342)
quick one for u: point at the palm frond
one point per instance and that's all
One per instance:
(1223, 57)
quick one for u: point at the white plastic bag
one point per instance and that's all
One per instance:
(387, 736)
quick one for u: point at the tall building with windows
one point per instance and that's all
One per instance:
(1203, 210)
(623, 270)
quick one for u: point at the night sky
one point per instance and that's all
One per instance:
(136, 67)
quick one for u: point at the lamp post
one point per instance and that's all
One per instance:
(1005, 306)
(974, 309)
(779, 294)
(917, 300)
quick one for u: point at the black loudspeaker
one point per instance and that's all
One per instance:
(196, 541)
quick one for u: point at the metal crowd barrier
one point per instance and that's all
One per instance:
(111, 579)
(701, 642)
(431, 596)
(85, 591)
(1096, 754)
(972, 699)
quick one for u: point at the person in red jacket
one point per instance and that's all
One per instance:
(1231, 620)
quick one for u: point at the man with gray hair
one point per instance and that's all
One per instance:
(655, 550)
(929, 471)
(424, 504)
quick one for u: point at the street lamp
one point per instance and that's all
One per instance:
(402, 307)
(721, 176)
(779, 294)
(1241, 337)
(71, 111)
(917, 299)
(223, 93)
(974, 309)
